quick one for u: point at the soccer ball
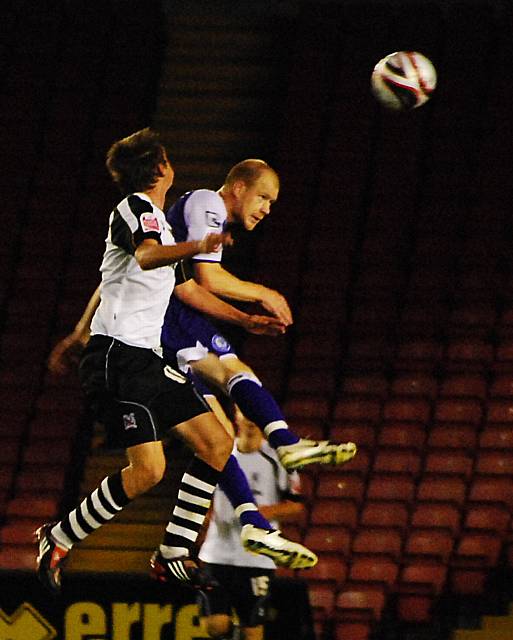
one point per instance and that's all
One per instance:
(403, 80)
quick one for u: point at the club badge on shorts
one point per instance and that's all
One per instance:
(129, 421)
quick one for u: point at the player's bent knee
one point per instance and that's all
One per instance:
(208, 439)
(148, 475)
(216, 449)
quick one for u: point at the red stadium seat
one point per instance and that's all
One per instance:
(362, 433)
(500, 411)
(417, 574)
(303, 407)
(38, 480)
(450, 435)
(494, 462)
(415, 383)
(455, 461)
(397, 460)
(322, 602)
(17, 557)
(330, 569)
(379, 569)
(402, 434)
(479, 547)
(371, 385)
(328, 539)
(442, 488)
(495, 488)
(353, 629)
(357, 409)
(387, 514)
(471, 321)
(310, 428)
(442, 515)
(334, 512)
(487, 517)
(19, 532)
(475, 554)
(378, 541)
(360, 601)
(433, 543)
(496, 436)
(32, 506)
(464, 386)
(391, 486)
(407, 409)
(504, 357)
(418, 355)
(340, 484)
(469, 354)
(311, 381)
(419, 583)
(502, 386)
(467, 410)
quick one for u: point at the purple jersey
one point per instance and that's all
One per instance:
(186, 333)
(196, 214)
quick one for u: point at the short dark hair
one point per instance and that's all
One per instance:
(249, 171)
(133, 162)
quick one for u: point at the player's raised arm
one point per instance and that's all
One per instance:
(150, 254)
(194, 295)
(214, 277)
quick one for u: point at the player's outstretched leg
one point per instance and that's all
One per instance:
(259, 406)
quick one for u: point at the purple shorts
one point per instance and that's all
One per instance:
(188, 335)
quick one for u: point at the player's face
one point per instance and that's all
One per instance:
(168, 172)
(254, 201)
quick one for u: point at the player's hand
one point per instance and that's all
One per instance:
(65, 355)
(264, 325)
(213, 242)
(276, 304)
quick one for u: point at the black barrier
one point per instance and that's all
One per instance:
(125, 607)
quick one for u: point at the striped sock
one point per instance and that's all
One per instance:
(98, 508)
(194, 498)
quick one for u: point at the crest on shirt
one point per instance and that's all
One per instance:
(212, 219)
(149, 222)
(129, 421)
(220, 343)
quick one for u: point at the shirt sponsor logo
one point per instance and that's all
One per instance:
(129, 421)
(220, 343)
(149, 222)
(213, 219)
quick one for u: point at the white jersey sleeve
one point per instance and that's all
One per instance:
(205, 213)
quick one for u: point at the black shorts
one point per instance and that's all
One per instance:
(243, 589)
(134, 393)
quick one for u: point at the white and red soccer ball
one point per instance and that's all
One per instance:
(403, 80)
